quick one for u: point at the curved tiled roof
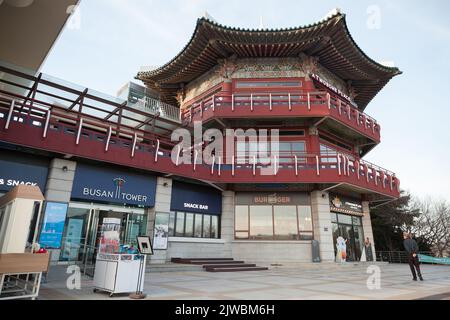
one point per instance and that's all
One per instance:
(329, 40)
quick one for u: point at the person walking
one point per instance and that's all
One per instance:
(368, 249)
(412, 248)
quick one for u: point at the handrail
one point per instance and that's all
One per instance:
(309, 99)
(87, 126)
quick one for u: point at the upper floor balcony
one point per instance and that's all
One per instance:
(55, 117)
(327, 111)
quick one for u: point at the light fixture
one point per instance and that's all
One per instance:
(65, 169)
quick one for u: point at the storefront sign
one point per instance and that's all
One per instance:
(272, 198)
(108, 185)
(331, 87)
(195, 198)
(22, 170)
(53, 225)
(345, 204)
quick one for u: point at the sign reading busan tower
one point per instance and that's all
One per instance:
(112, 186)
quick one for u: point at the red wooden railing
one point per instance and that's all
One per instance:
(307, 104)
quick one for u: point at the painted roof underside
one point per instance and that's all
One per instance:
(329, 40)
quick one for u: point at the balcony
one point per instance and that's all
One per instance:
(32, 123)
(328, 109)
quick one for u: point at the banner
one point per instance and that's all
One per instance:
(195, 198)
(53, 224)
(428, 259)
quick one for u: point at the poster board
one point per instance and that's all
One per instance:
(53, 224)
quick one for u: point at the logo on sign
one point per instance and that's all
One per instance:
(116, 194)
(118, 182)
(336, 202)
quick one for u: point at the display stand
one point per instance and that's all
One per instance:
(145, 248)
(116, 273)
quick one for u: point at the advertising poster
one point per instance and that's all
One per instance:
(161, 233)
(53, 224)
(73, 239)
(110, 235)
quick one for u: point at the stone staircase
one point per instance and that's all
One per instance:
(220, 264)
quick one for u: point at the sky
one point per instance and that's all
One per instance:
(107, 41)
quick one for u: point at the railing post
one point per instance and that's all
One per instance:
(232, 166)
(195, 159)
(338, 156)
(251, 102)
(134, 145)
(213, 164)
(340, 106)
(178, 156)
(190, 114)
(157, 150)
(289, 101)
(329, 100)
(220, 165)
(309, 101)
(11, 110)
(275, 166)
(254, 165)
(349, 111)
(296, 165)
(270, 101)
(317, 165)
(79, 131)
(47, 122)
(232, 102)
(108, 139)
(214, 103)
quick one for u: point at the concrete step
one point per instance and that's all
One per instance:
(236, 269)
(172, 267)
(202, 262)
(240, 265)
(188, 260)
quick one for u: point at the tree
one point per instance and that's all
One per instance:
(389, 221)
(433, 224)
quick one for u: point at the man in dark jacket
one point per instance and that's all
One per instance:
(412, 248)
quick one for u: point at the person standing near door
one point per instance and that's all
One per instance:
(368, 249)
(412, 249)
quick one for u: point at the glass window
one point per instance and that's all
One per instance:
(136, 225)
(356, 221)
(304, 218)
(241, 218)
(189, 225)
(198, 226)
(179, 227)
(306, 236)
(74, 234)
(241, 235)
(285, 222)
(171, 224)
(261, 226)
(206, 226)
(345, 219)
(214, 227)
(333, 217)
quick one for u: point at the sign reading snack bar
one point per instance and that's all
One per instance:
(344, 204)
(195, 198)
(22, 169)
(113, 186)
(272, 198)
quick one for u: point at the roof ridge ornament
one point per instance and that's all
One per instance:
(207, 16)
(333, 12)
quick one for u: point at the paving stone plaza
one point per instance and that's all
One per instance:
(303, 282)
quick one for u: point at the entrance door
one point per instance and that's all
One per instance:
(354, 237)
